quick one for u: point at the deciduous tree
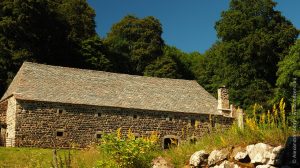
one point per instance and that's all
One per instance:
(135, 42)
(44, 31)
(253, 38)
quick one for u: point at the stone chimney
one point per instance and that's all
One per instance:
(223, 101)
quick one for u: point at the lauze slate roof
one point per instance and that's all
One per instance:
(77, 86)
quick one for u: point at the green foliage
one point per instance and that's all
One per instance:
(289, 67)
(164, 67)
(127, 151)
(172, 64)
(80, 18)
(182, 60)
(94, 53)
(289, 75)
(253, 39)
(44, 31)
(135, 43)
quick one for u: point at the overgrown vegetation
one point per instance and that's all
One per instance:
(128, 151)
(271, 127)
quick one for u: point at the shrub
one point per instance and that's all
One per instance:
(128, 151)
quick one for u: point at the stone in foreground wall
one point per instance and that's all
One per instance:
(39, 123)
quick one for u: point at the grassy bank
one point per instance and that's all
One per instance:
(41, 158)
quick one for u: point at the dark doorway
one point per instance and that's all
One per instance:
(170, 143)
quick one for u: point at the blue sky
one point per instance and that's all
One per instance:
(188, 25)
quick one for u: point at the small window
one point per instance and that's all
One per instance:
(98, 115)
(98, 136)
(135, 116)
(169, 118)
(59, 111)
(59, 133)
(170, 143)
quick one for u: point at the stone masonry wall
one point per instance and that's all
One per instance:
(3, 107)
(38, 123)
(11, 122)
(223, 98)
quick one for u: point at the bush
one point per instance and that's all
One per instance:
(128, 151)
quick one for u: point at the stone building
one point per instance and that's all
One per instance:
(48, 106)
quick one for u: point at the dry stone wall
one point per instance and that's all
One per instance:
(44, 124)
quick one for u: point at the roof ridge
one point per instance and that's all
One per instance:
(99, 71)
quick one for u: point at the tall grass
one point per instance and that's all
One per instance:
(41, 158)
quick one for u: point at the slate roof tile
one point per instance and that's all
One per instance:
(79, 86)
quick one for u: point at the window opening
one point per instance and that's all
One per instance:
(59, 133)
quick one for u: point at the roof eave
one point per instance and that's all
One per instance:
(18, 97)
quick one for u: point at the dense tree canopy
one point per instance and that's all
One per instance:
(135, 43)
(80, 18)
(252, 57)
(172, 64)
(94, 52)
(45, 31)
(253, 39)
(289, 74)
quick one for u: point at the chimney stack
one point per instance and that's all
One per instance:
(223, 101)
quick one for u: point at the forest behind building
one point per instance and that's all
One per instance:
(257, 54)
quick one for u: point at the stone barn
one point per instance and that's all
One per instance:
(47, 106)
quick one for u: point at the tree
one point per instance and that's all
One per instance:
(253, 39)
(44, 31)
(80, 18)
(264, 33)
(94, 53)
(289, 74)
(135, 43)
(163, 67)
(172, 64)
